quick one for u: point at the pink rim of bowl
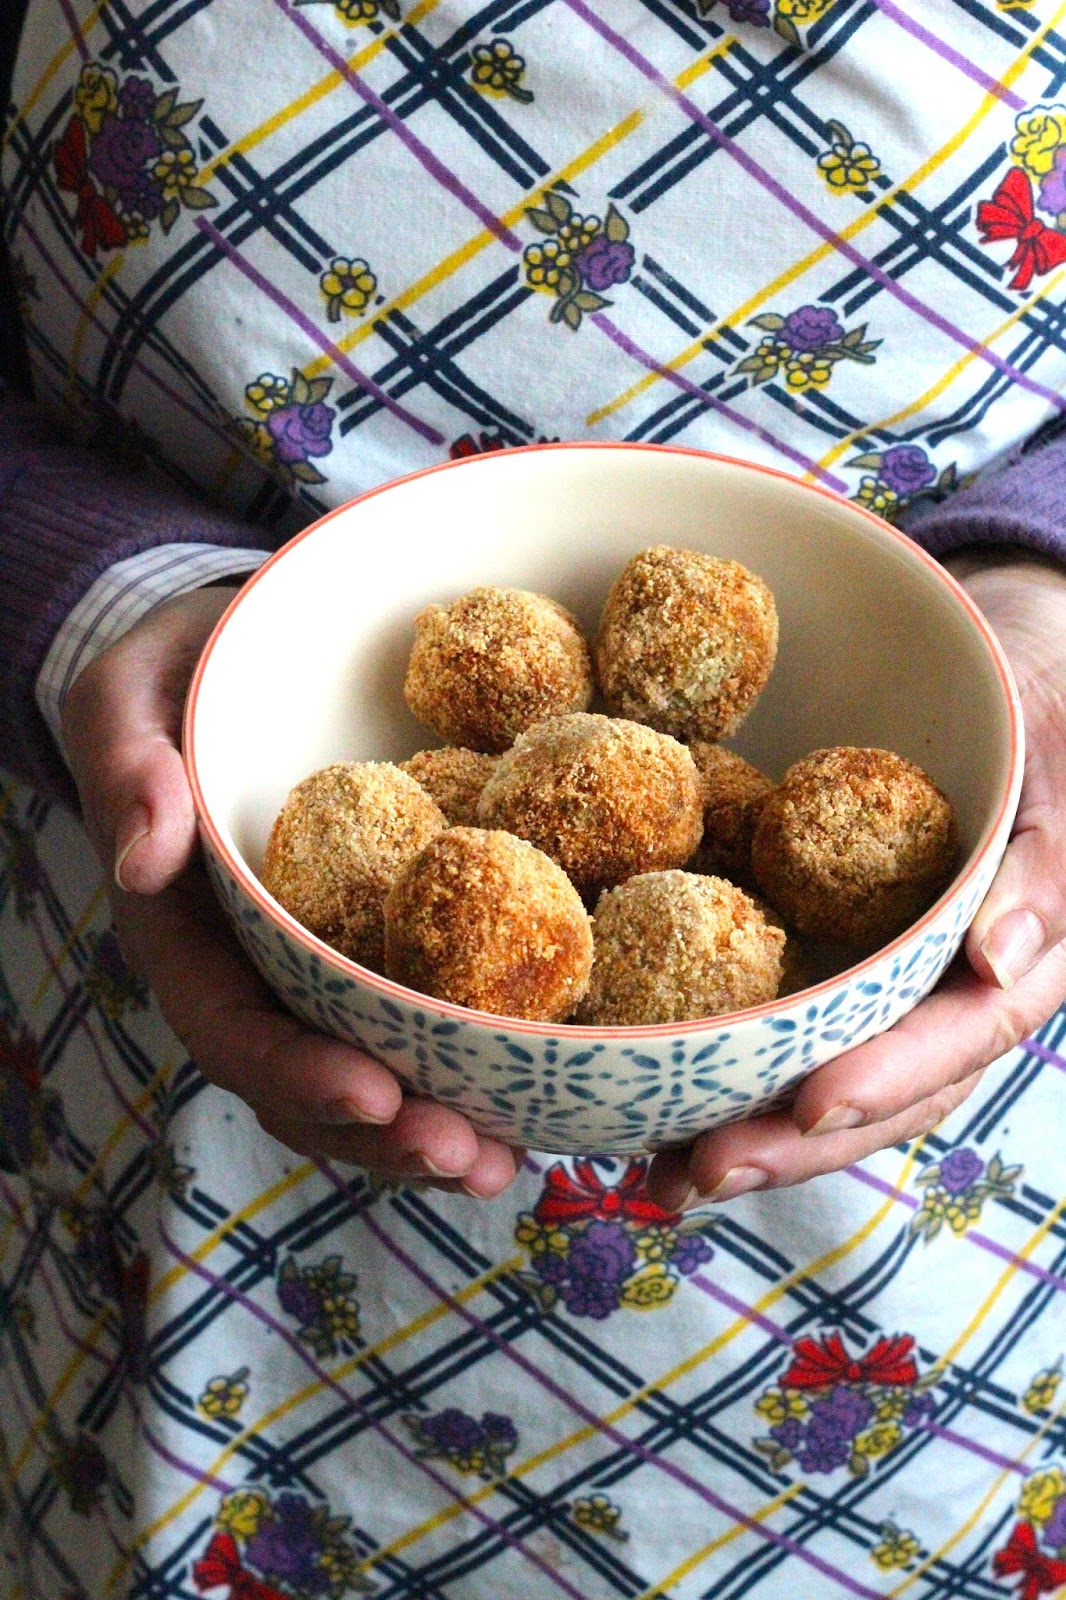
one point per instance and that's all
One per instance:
(385, 986)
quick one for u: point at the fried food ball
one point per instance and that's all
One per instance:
(798, 968)
(676, 946)
(854, 845)
(339, 842)
(454, 778)
(495, 661)
(603, 797)
(485, 920)
(686, 642)
(734, 793)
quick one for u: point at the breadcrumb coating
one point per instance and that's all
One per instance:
(734, 793)
(495, 661)
(675, 947)
(798, 969)
(603, 797)
(485, 920)
(339, 842)
(686, 642)
(854, 845)
(454, 778)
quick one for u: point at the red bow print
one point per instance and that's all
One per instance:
(221, 1563)
(1040, 1575)
(19, 1056)
(101, 228)
(1009, 215)
(584, 1197)
(818, 1365)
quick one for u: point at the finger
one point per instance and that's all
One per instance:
(770, 1152)
(424, 1140)
(233, 1028)
(963, 1026)
(121, 724)
(1023, 915)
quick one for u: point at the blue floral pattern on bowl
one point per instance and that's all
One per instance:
(577, 1090)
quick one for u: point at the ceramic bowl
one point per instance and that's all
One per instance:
(878, 647)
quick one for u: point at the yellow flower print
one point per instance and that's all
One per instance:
(223, 1397)
(778, 1405)
(656, 1244)
(136, 229)
(96, 95)
(267, 393)
(650, 1288)
(962, 1214)
(348, 285)
(537, 1240)
(243, 1513)
(877, 497)
(879, 1440)
(848, 165)
(176, 170)
(353, 12)
(1040, 1395)
(498, 69)
(1040, 1493)
(1039, 135)
(341, 1316)
(578, 232)
(598, 1515)
(807, 370)
(256, 438)
(545, 264)
(803, 10)
(892, 1404)
(896, 1549)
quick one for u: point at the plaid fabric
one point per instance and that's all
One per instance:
(225, 1366)
(331, 245)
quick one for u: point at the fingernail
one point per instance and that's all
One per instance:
(134, 825)
(737, 1181)
(836, 1119)
(1014, 945)
(693, 1198)
(430, 1167)
(342, 1111)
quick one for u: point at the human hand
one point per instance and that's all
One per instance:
(1010, 981)
(121, 725)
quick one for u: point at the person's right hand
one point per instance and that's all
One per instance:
(121, 725)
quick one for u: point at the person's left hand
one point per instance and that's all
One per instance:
(1012, 979)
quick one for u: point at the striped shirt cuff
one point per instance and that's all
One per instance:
(120, 597)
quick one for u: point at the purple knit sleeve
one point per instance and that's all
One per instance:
(1023, 503)
(66, 515)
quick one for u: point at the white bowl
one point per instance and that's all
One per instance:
(878, 647)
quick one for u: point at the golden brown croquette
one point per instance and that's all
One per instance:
(338, 843)
(734, 793)
(603, 797)
(485, 920)
(675, 947)
(492, 663)
(686, 642)
(454, 778)
(854, 845)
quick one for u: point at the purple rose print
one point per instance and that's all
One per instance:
(906, 469)
(604, 1253)
(584, 1297)
(551, 1267)
(136, 98)
(844, 1411)
(453, 1430)
(824, 1452)
(298, 1298)
(1054, 1534)
(756, 12)
(919, 1411)
(287, 1547)
(119, 154)
(959, 1170)
(605, 262)
(500, 1431)
(1053, 186)
(301, 431)
(811, 327)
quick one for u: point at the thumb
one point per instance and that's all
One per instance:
(1023, 916)
(121, 726)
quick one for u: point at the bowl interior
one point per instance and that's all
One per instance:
(877, 648)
